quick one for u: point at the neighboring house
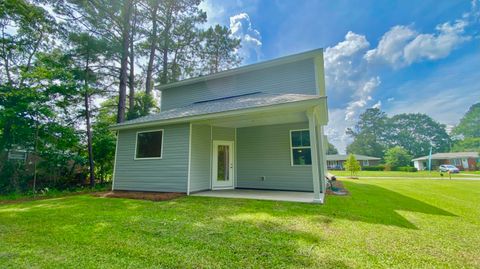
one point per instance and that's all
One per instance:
(462, 160)
(256, 127)
(335, 162)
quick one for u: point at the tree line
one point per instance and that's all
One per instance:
(412, 134)
(71, 68)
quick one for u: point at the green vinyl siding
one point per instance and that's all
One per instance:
(200, 172)
(265, 151)
(223, 133)
(294, 77)
(168, 174)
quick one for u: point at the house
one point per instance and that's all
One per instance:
(254, 127)
(335, 161)
(462, 160)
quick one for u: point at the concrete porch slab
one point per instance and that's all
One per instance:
(289, 196)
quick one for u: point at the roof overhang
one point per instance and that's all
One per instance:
(239, 114)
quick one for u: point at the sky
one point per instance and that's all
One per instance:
(400, 56)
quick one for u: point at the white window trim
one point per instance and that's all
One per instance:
(303, 147)
(161, 149)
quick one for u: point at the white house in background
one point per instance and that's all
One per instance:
(462, 160)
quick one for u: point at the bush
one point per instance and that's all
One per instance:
(405, 169)
(397, 157)
(352, 165)
(374, 168)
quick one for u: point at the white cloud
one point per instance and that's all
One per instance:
(352, 44)
(363, 94)
(436, 46)
(402, 45)
(336, 128)
(251, 39)
(390, 49)
(377, 105)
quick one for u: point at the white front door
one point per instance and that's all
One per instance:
(222, 165)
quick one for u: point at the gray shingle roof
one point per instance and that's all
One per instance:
(341, 157)
(449, 155)
(240, 102)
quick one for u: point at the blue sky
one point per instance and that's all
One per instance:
(401, 56)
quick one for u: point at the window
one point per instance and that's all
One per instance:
(365, 163)
(300, 144)
(17, 155)
(149, 145)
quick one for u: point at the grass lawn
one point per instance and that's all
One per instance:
(464, 174)
(384, 223)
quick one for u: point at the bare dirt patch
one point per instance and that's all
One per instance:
(139, 195)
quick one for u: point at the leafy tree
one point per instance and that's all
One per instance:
(104, 140)
(467, 144)
(397, 156)
(366, 144)
(370, 133)
(417, 133)
(37, 117)
(469, 126)
(352, 165)
(331, 149)
(25, 30)
(372, 121)
(219, 50)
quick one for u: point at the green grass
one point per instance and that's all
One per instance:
(384, 223)
(52, 193)
(464, 174)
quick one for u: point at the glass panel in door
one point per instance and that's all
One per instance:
(223, 162)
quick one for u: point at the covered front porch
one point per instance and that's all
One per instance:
(253, 154)
(273, 195)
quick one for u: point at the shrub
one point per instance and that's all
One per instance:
(374, 168)
(352, 165)
(405, 169)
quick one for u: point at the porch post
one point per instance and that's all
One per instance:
(313, 145)
(322, 164)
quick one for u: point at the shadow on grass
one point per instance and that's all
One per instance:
(374, 204)
(367, 203)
